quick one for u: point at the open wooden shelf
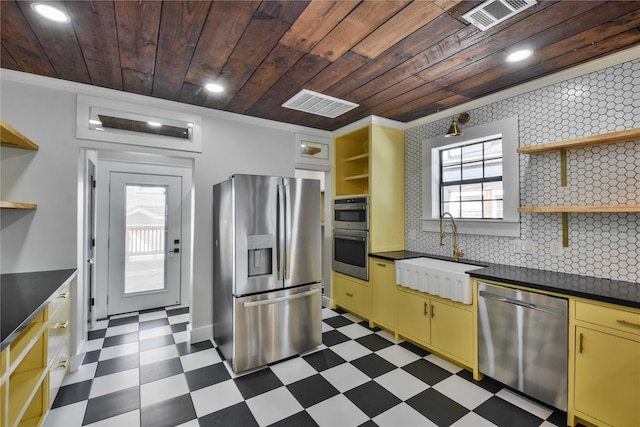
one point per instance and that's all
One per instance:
(17, 205)
(563, 146)
(9, 137)
(364, 156)
(569, 209)
(588, 141)
(361, 176)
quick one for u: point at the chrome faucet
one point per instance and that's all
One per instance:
(454, 230)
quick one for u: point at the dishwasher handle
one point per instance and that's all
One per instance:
(524, 304)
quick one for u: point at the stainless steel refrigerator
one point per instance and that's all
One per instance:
(267, 268)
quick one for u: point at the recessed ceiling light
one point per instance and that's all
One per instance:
(519, 55)
(51, 13)
(154, 124)
(214, 87)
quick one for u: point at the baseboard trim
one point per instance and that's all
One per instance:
(203, 333)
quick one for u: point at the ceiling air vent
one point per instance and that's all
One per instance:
(493, 12)
(317, 103)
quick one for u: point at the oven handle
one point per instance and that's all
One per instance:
(345, 237)
(280, 299)
(349, 208)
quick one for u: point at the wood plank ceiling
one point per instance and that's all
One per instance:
(398, 59)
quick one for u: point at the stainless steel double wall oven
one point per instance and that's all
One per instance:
(351, 236)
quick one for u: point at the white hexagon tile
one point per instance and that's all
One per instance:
(600, 244)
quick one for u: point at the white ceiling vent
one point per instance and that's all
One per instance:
(317, 103)
(493, 12)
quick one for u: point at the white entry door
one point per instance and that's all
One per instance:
(144, 241)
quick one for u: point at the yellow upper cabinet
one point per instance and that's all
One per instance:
(370, 161)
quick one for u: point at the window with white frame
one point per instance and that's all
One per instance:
(471, 180)
(475, 179)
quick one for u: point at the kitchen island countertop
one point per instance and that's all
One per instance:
(23, 296)
(604, 290)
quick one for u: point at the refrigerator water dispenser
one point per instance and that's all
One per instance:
(260, 256)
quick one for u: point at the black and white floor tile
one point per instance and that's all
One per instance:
(140, 370)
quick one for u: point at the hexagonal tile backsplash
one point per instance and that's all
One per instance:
(600, 244)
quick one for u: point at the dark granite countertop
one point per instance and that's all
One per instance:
(23, 296)
(604, 290)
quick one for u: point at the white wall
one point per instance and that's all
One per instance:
(42, 239)
(45, 110)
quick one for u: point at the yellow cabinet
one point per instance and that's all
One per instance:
(370, 161)
(352, 294)
(607, 365)
(452, 330)
(413, 317)
(34, 364)
(607, 377)
(383, 289)
(440, 325)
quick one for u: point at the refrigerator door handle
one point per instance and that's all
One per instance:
(280, 299)
(287, 231)
(281, 232)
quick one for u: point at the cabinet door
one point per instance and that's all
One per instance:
(413, 316)
(607, 377)
(383, 288)
(452, 330)
(352, 296)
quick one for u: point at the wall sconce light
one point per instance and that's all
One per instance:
(454, 130)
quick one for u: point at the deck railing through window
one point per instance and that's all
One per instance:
(145, 239)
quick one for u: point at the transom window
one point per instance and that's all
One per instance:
(471, 180)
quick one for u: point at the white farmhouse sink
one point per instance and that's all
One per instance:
(446, 279)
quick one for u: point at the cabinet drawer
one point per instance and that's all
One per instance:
(616, 318)
(353, 296)
(59, 369)
(59, 327)
(62, 295)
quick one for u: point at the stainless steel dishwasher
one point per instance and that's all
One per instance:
(522, 341)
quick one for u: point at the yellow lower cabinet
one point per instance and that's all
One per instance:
(383, 289)
(352, 295)
(413, 316)
(452, 330)
(607, 378)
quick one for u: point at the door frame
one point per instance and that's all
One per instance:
(105, 167)
(119, 302)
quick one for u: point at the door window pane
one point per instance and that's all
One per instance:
(145, 239)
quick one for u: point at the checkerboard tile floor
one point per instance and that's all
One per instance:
(141, 371)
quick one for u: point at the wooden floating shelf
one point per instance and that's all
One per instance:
(588, 141)
(568, 209)
(17, 205)
(9, 137)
